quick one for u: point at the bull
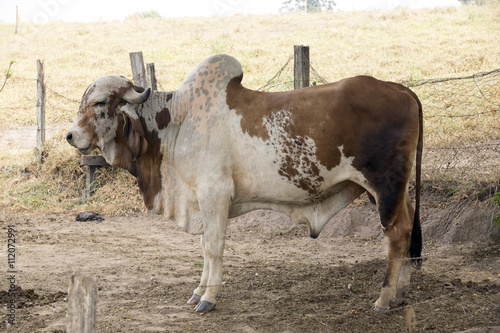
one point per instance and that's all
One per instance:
(213, 150)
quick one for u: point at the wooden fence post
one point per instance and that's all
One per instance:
(92, 164)
(151, 76)
(138, 71)
(40, 112)
(301, 66)
(82, 304)
(17, 17)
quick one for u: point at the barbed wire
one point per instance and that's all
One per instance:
(270, 83)
(467, 147)
(286, 71)
(61, 95)
(462, 115)
(20, 78)
(415, 83)
(16, 107)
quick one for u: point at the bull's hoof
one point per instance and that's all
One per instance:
(416, 263)
(194, 300)
(205, 306)
(380, 309)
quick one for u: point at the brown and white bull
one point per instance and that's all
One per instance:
(213, 149)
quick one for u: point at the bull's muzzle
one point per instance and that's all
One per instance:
(69, 138)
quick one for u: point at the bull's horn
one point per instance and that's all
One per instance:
(134, 97)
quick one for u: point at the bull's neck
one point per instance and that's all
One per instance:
(156, 117)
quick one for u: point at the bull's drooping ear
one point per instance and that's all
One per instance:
(134, 134)
(134, 97)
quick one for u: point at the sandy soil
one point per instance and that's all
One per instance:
(276, 278)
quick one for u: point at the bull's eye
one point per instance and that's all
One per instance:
(98, 104)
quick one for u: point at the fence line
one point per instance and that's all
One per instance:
(40, 112)
(461, 117)
(417, 83)
(61, 95)
(271, 83)
(7, 75)
(496, 145)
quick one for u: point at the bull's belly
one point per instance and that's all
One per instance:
(278, 199)
(277, 192)
(276, 177)
(314, 214)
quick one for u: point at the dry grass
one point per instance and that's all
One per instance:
(398, 45)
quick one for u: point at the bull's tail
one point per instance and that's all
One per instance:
(416, 234)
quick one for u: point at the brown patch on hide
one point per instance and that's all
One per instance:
(163, 118)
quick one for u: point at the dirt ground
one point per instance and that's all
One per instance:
(276, 278)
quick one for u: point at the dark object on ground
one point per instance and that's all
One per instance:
(89, 216)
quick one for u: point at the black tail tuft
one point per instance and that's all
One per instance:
(416, 243)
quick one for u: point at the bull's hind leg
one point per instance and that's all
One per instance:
(405, 274)
(403, 281)
(397, 221)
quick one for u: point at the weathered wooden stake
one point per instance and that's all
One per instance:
(150, 69)
(40, 112)
(92, 164)
(301, 66)
(17, 17)
(138, 70)
(82, 304)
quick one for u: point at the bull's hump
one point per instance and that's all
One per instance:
(227, 66)
(220, 68)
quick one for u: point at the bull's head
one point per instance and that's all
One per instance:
(108, 119)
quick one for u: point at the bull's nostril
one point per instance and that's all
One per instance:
(69, 137)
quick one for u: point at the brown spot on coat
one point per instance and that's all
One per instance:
(163, 118)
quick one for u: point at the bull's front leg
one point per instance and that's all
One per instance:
(195, 299)
(214, 206)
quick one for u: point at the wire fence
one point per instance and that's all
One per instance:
(461, 120)
(461, 123)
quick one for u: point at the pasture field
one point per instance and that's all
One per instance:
(276, 278)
